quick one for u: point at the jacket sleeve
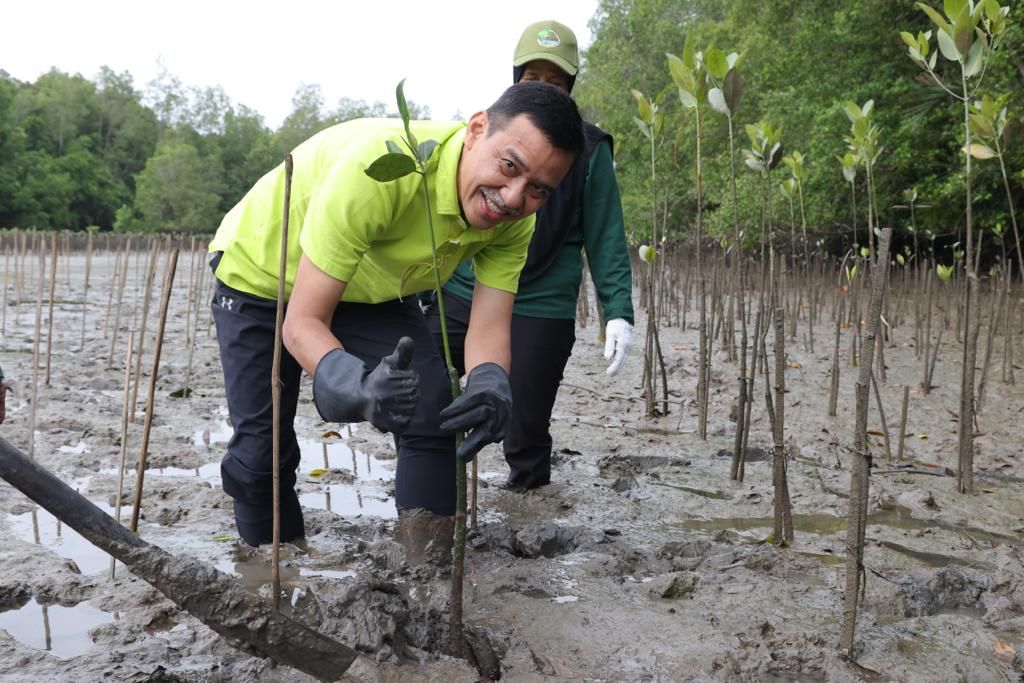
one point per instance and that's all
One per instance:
(604, 237)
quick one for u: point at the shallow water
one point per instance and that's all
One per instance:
(61, 631)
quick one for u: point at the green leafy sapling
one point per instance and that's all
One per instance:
(863, 143)
(849, 162)
(724, 98)
(763, 156)
(798, 172)
(395, 164)
(987, 121)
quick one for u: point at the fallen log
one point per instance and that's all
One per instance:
(211, 596)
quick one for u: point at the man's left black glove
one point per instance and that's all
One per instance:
(484, 407)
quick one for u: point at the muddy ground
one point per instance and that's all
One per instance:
(640, 562)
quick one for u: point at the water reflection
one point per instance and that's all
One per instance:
(61, 631)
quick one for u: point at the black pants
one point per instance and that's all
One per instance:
(245, 332)
(540, 350)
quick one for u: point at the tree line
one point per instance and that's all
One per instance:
(804, 61)
(77, 153)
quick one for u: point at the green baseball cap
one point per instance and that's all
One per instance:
(550, 41)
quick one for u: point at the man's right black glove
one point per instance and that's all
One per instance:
(485, 407)
(344, 389)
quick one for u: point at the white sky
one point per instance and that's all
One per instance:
(455, 54)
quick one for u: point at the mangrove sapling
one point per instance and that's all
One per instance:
(49, 305)
(988, 119)
(863, 142)
(651, 122)
(140, 473)
(692, 80)
(860, 470)
(391, 166)
(967, 35)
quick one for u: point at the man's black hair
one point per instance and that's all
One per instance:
(548, 108)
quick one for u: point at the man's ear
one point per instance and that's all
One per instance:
(476, 129)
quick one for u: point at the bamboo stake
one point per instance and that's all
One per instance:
(881, 416)
(194, 327)
(903, 422)
(120, 298)
(150, 275)
(141, 471)
(275, 383)
(85, 292)
(35, 358)
(124, 437)
(113, 286)
(860, 471)
(833, 394)
(7, 276)
(49, 313)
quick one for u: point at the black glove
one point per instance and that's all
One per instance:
(344, 389)
(485, 407)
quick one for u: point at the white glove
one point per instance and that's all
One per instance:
(618, 337)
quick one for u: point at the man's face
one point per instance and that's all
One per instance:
(508, 174)
(546, 72)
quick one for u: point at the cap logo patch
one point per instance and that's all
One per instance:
(548, 38)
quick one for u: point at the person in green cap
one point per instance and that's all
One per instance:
(358, 250)
(584, 214)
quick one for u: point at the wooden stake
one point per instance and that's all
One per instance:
(120, 298)
(141, 471)
(150, 275)
(275, 381)
(860, 471)
(903, 422)
(85, 292)
(124, 437)
(53, 282)
(35, 358)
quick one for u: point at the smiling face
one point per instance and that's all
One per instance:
(508, 173)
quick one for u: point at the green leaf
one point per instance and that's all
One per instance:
(393, 147)
(642, 125)
(717, 63)
(736, 60)
(947, 47)
(403, 110)
(647, 253)
(900, 259)
(868, 107)
(646, 112)
(390, 167)
(931, 60)
(980, 151)
(909, 39)
(426, 148)
(992, 10)
(755, 165)
(975, 58)
(716, 98)
(934, 16)
(853, 112)
(689, 54)
(687, 99)
(953, 8)
(733, 89)
(850, 173)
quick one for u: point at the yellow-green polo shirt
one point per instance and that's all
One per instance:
(372, 235)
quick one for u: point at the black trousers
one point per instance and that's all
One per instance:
(540, 350)
(245, 332)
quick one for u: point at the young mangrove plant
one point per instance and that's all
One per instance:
(966, 33)
(691, 79)
(651, 122)
(395, 164)
(849, 163)
(863, 142)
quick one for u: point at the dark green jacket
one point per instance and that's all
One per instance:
(596, 225)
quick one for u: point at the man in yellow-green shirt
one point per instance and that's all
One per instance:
(358, 249)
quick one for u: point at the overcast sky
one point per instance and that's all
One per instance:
(455, 54)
